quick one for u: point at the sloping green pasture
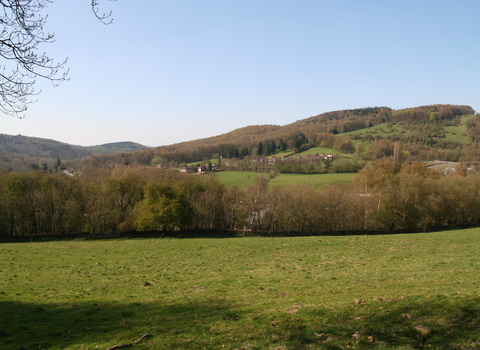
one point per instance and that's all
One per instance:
(324, 150)
(459, 133)
(382, 130)
(456, 133)
(357, 292)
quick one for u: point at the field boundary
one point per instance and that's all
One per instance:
(211, 233)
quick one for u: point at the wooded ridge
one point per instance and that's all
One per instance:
(423, 132)
(19, 153)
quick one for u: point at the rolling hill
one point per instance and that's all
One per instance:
(424, 132)
(18, 152)
(428, 127)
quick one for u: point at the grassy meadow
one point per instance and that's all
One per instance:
(382, 130)
(312, 179)
(324, 150)
(246, 178)
(239, 178)
(357, 292)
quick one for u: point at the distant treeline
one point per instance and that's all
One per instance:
(384, 197)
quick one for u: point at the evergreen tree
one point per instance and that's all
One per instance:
(272, 147)
(282, 146)
(260, 148)
(243, 153)
(57, 165)
(300, 140)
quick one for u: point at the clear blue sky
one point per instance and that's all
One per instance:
(168, 71)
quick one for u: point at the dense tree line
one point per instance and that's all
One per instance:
(473, 126)
(431, 112)
(384, 197)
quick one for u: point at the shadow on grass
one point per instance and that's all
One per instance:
(449, 323)
(437, 322)
(92, 325)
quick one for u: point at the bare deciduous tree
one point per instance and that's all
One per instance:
(21, 35)
(105, 18)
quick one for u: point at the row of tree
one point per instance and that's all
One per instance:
(383, 197)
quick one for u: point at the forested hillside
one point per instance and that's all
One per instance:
(445, 132)
(306, 133)
(22, 153)
(424, 135)
(39, 148)
(115, 147)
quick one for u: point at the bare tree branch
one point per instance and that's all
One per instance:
(21, 35)
(105, 18)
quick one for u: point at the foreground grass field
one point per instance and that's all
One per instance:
(361, 292)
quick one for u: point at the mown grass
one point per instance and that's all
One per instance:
(312, 179)
(361, 292)
(239, 178)
(246, 178)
